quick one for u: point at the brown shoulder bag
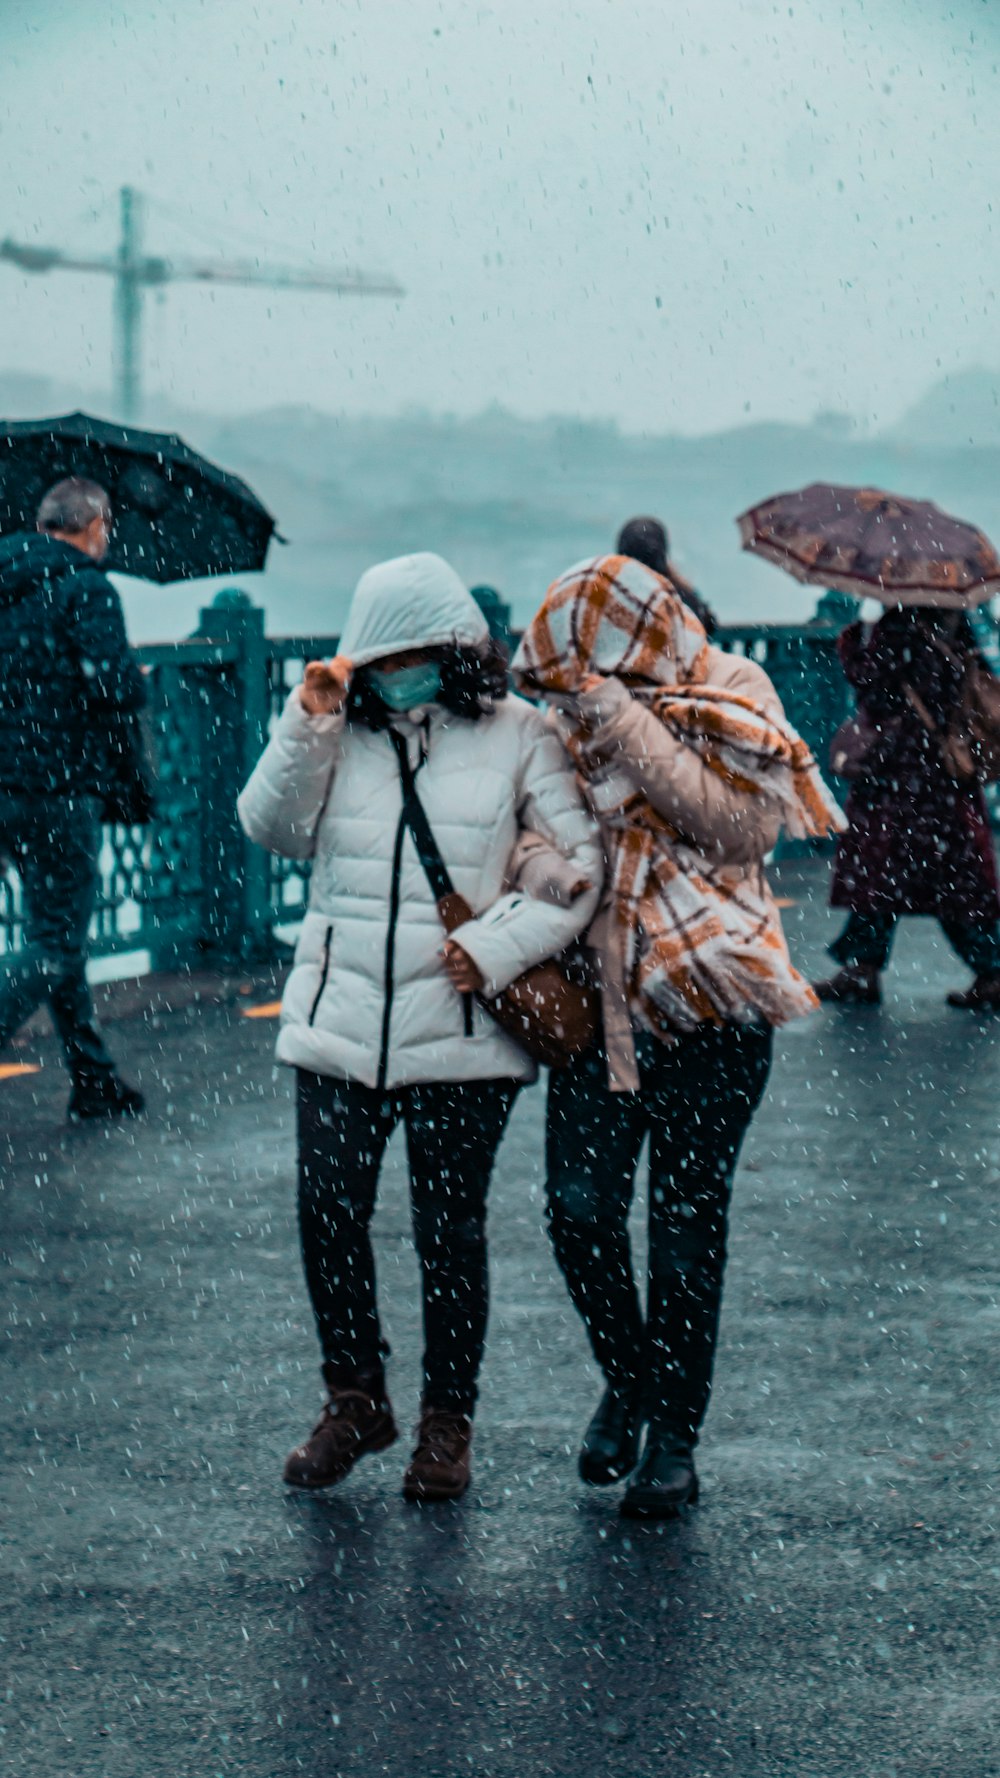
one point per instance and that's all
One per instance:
(852, 746)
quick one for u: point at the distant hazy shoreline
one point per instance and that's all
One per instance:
(511, 501)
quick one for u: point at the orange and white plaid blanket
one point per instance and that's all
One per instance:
(702, 941)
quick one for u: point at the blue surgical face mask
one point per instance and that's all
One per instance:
(408, 686)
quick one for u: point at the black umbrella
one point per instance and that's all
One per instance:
(176, 515)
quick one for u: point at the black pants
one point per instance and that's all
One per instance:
(695, 1103)
(453, 1131)
(867, 940)
(54, 842)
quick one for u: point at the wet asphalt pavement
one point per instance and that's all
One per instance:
(828, 1609)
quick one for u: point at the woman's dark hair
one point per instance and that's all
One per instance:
(953, 626)
(472, 681)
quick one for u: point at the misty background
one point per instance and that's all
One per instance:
(666, 258)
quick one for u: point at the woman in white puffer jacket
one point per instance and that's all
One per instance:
(378, 1017)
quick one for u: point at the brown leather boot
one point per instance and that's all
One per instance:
(355, 1419)
(856, 985)
(441, 1467)
(983, 996)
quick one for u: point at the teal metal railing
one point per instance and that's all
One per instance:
(190, 888)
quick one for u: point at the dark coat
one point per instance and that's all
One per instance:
(67, 674)
(918, 842)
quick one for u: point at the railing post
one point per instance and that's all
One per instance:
(237, 925)
(497, 614)
(835, 609)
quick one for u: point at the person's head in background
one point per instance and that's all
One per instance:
(79, 512)
(647, 540)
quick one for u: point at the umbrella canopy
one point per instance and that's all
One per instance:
(176, 515)
(875, 545)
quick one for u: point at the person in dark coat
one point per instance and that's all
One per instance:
(918, 842)
(67, 676)
(646, 540)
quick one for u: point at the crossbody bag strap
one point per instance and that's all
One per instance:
(917, 703)
(969, 661)
(421, 832)
(429, 852)
(955, 754)
(965, 659)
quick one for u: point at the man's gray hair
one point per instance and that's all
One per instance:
(72, 505)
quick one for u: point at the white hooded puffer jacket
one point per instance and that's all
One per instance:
(368, 998)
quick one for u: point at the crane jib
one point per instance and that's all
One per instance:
(135, 271)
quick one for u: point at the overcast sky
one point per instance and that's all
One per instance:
(677, 213)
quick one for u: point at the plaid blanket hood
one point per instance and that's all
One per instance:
(702, 941)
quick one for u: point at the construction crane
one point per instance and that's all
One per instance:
(135, 272)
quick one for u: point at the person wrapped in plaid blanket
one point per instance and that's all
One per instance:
(692, 769)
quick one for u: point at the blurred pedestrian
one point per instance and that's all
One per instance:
(67, 677)
(380, 1017)
(646, 540)
(691, 769)
(919, 841)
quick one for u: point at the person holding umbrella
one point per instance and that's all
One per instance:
(70, 688)
(67, 676)
(918, 839)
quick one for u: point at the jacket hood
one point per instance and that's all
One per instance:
(410, 602)
(27, 557)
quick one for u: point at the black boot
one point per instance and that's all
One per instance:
(665, 1481)
(983, 996)
(102, 1094)
(857, 984)
(610, 1446)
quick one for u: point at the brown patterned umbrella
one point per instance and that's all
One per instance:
(875, 545)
